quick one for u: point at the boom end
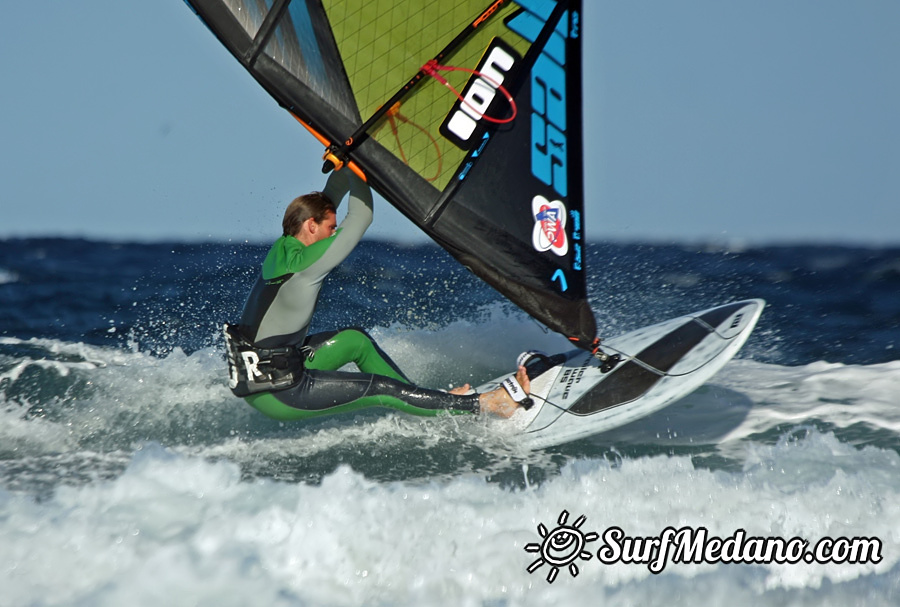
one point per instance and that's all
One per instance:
(332, 162)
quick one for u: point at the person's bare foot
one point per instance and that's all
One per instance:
(498, 402)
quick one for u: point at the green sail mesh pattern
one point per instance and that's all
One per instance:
(383, 44)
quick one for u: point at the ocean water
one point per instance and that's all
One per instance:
(130, 475)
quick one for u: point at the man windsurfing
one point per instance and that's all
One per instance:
(287, 374)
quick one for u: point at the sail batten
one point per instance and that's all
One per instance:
(501, 189)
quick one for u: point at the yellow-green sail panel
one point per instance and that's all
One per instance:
(383, 44)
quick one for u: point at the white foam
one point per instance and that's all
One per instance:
(95, 355)
(465, 351)
(748, 399)
(23, 437)
(842, 395)
(178, 528)
(108, 398)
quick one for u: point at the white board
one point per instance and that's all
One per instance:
(660, 364)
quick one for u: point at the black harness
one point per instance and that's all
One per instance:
(252, 369)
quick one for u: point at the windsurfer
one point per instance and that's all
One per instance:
(288, 374)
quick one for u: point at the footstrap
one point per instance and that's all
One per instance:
(517, 392)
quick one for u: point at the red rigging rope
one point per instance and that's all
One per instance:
(394, 115)
(433, 67)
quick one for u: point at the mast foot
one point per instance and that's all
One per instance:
(608, 362)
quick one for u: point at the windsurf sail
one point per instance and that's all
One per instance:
(466, 116)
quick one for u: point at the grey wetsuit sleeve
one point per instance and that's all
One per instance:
(281, 317)
(354, 225)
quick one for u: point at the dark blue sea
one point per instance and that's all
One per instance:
(130, 475)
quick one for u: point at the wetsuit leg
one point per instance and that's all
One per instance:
(329, 392)
(334, 349)
(324, 390)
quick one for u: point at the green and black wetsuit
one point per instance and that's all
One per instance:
(275, 323)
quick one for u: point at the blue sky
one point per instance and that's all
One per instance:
(756, 121)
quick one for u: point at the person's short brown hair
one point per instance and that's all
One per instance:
(315, 205)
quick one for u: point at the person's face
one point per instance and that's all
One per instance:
(326, 227)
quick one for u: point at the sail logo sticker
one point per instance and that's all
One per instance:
(549, 226)
(461, 126)
(549, 144)
(549, 120)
